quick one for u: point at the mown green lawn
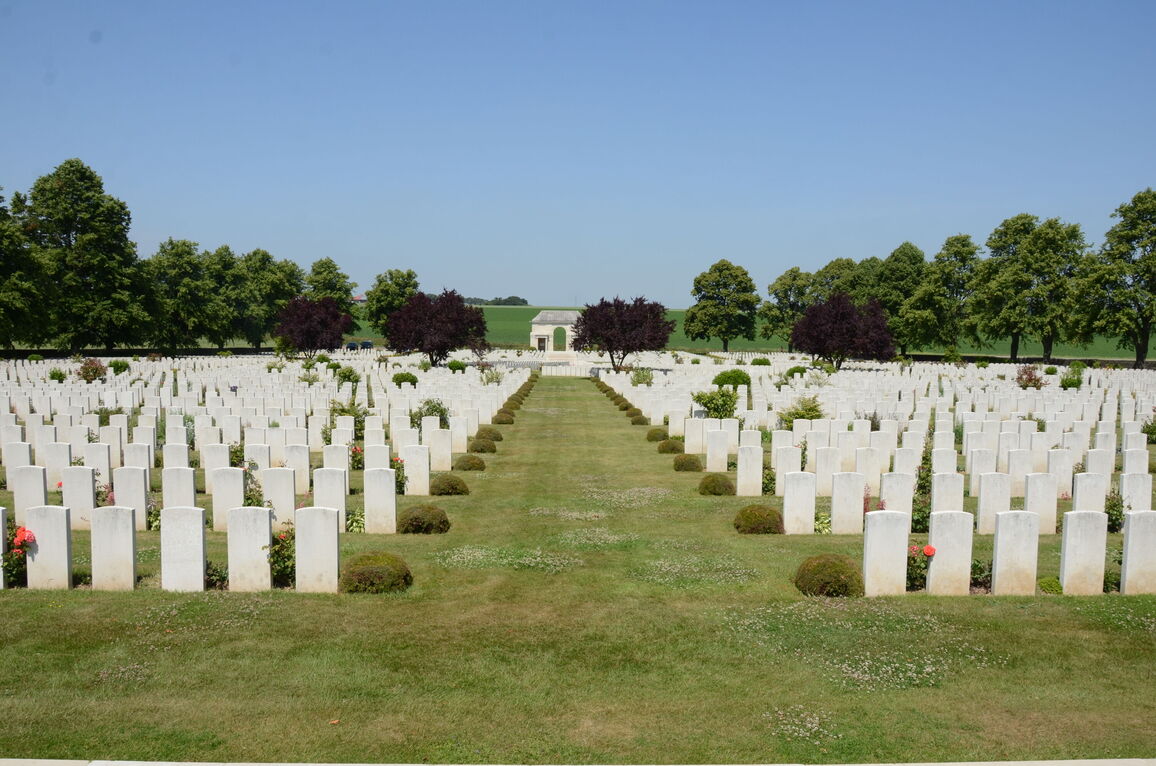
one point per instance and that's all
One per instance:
(587, 606)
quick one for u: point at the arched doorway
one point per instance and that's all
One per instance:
(560, 339)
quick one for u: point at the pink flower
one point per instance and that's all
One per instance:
(929, 550)
(59, 484)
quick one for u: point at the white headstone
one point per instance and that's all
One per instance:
(1016, 548)
(183, 549)
(380, 501)
(885, 553)
(113, 548)
(50, 557)
(1082, 555)
(249, 539)
(949, 572)
(317, 548)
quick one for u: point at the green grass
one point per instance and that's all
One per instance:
(586, 606)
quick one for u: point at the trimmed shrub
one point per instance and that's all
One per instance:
(469, 463)
(732, 378)
(448, 484)
(805, 407)
(118, 366)
(505, 411)
(718, 404)
(830, 574)
(759, 520)
(1050, 585)
(624, 405)
(378, 572)
(403, 377)
(761, 361)
(423, 520)
(486, 432)
(483, 445)
(716, 484)
(633, 411)
(640, 420)
(430, 408)
(687, 463)
(656, 435)
(456, 365)
(670, 447)
(503, 419)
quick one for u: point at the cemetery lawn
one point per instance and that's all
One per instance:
(587, 606)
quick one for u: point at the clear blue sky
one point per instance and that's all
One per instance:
(563, 151)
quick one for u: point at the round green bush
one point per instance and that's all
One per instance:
(759, 520)
(404, 377)
(448, 484)
(761, 361)
(502, 419)
(486, 432)
(830, 574)
(640, 420)
(469, 463)
(456, 365)
(624, 405)
(632, 412)
(687, 463)
(732, 378)
(378, 572)
(716, 484)
(505, 411)
(670, 447)
(483, 445)
(796, 370)
(1050, 585)
(423, 520)
(510, 406)
(656, 434)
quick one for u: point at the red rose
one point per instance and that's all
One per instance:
(929, 550)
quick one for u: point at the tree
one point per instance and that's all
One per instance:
(935, 313)
(1052, 254)
(836, 330)
(311, 325)
(726, 305)
(1119, 286)
(93, 277)
(899, 276)
(186, 298)
(326, 279)
(435, 326)
(264, 286)
(997, 306)
(836, 277)
(789, 297)
(620, 328)
(22, 307)
(221, 270)
(391, 289)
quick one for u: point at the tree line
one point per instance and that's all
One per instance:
(1041, 280)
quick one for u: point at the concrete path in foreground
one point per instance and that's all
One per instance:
(1077, 762)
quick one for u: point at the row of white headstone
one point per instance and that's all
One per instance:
(1015, 553)
(182, 543)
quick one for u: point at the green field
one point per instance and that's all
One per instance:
(509, 326)
(587, 606)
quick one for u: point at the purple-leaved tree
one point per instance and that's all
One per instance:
(620, 328)
(436, 326)
(309, 326)
(837, 330)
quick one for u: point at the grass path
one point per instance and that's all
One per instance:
(586, 606)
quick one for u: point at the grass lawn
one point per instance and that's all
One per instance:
(587, 606)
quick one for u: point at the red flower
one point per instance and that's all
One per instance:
(282, 535)
(23, 535)
(59, 484)
(929, 550)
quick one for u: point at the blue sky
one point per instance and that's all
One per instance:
(563, 151)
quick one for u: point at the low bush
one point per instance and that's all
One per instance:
(486, 432)
(505, 411)
(761, 361)
(641, 377)
(92, 369)
(656, 434)
(716, 484)
(1027, 376)
(469, 463)
(1049, 370)
(377, 572)
(759, 520)
(829, 575)
(36, 357)
(640, 420)
(448, 484)
(57, 374)
(456, 365)
(423, 520)
(483, 445)
(1050, 585)
(404, 377)
(805, 407)
(430, 408)
(118, 366)
(718, 404)
(632, 412)
(502, 419)
(732, 378)
(624, 405)
(688, 463)
(670, 447)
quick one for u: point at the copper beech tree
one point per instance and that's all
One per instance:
(837, 330)
(309, 326)
(436, 325)
(620, 328)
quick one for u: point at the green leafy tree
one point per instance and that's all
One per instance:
(391, 290)
(935, 314)
(997, 306)
(98, 295)
(264, 287)
(726, 305)
(900, 275)
(1118, 288)
(838, 276)
(862, 284)
(789, 297)
(327, 280)
(221, 271)
(1052, 254)
(22, 307)
(186, 299)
